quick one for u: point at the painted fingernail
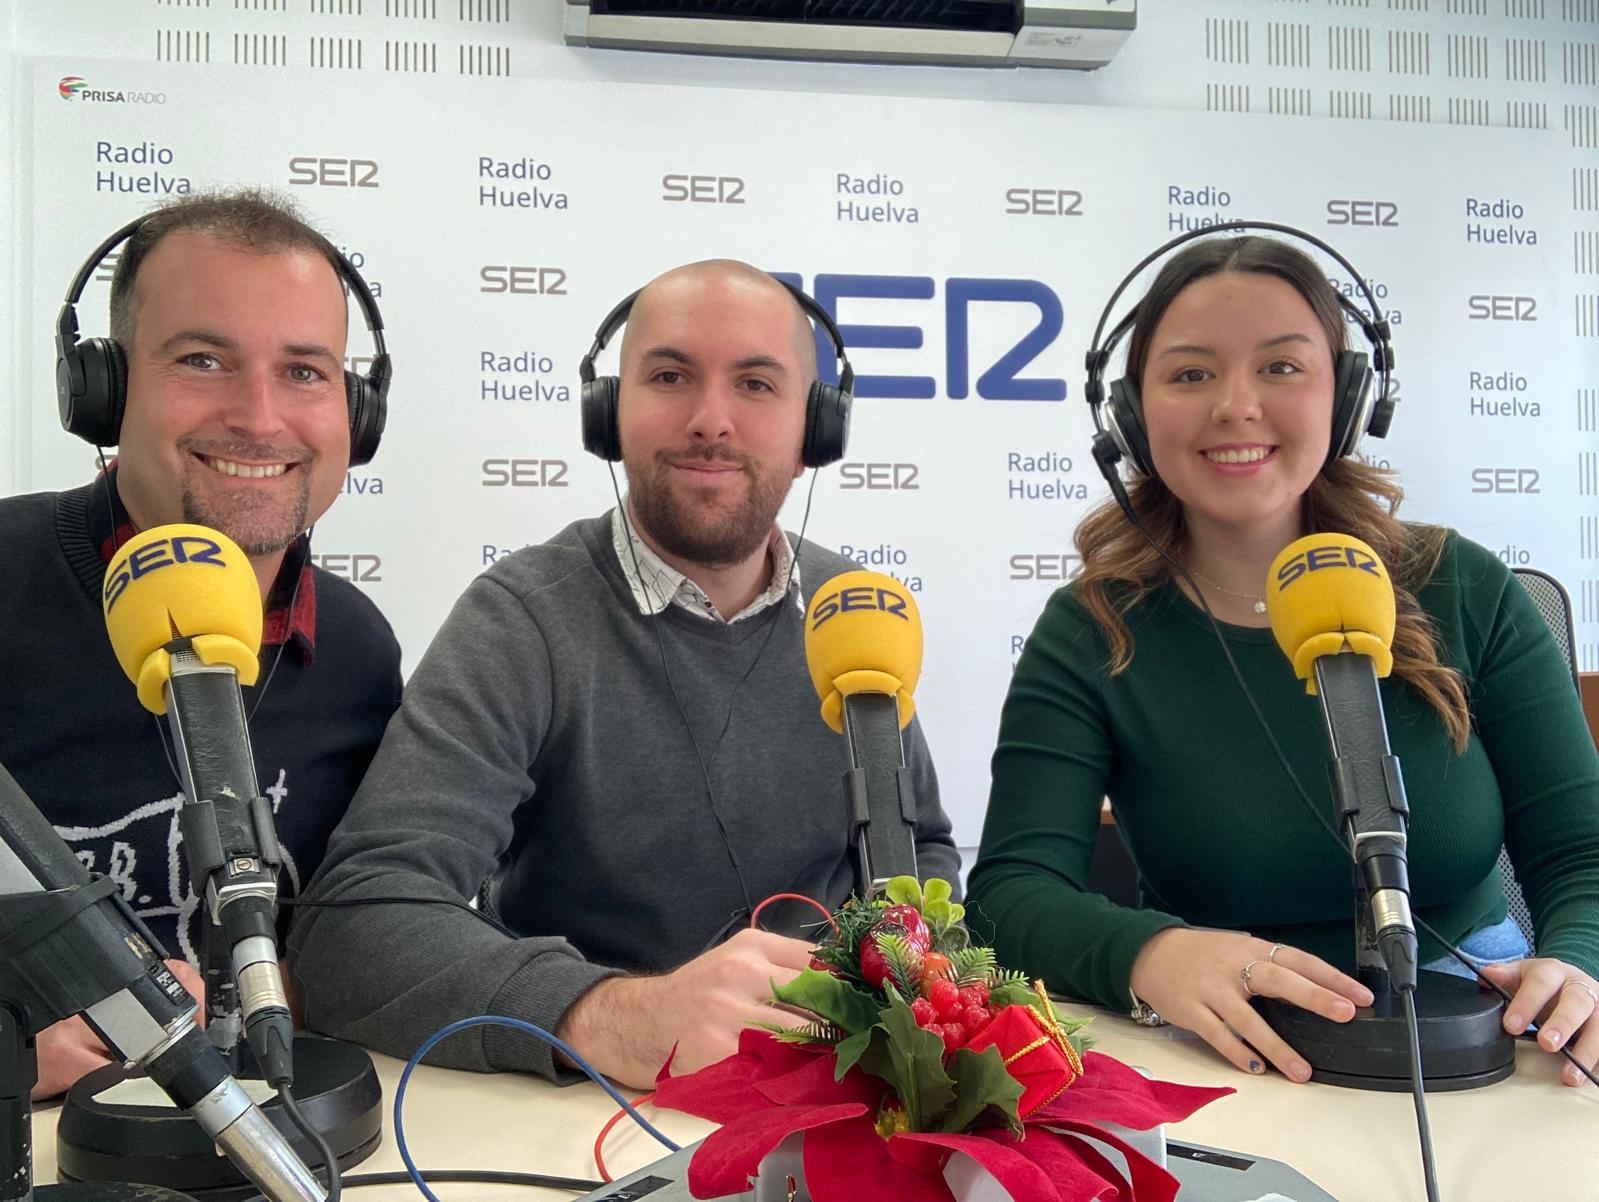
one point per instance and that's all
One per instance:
(1299, 1070)
(1553, 1036)
(1256, 1067)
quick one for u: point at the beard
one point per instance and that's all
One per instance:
(261, 523)
(700, 525)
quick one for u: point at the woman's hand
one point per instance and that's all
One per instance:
(1196, 979)
(1561, 999)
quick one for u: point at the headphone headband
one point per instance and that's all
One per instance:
(1375, 327)
(617, 318)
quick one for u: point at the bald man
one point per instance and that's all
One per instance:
(617, 726)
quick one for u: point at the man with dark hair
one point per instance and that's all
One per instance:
(621, 720)
(232, 317)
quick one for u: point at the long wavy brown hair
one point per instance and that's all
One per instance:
(1348, 496)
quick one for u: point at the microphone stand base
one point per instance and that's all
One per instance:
(99, 1139)
(1463, 1039)
(107, 1191)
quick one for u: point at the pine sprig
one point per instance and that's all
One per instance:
(904, 962)
(816, 1031)
(972, 965)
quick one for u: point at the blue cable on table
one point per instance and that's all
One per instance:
(491, 1020)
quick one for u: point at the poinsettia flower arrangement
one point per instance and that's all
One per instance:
(918, 1045)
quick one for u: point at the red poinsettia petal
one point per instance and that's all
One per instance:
(727, 1161)
(852, 1161)
(1003, 1158)
(724, 1091)
(1080, 1172)
(1110, 1092)
(720, 1092)
(1151, 1183)
(813, 1085)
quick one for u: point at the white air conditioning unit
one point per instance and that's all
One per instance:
(1077, 34)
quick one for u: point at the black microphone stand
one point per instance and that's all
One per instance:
(32, 920)
(1462, 1037)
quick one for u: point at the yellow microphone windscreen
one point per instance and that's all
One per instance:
(181, 581)
(863, 634)
(1325, 591)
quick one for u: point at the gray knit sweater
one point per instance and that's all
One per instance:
(538, 737)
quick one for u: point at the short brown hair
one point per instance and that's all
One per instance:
(250, 219)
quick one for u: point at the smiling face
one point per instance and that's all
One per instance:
(236, 416)
(1237, 397)
(716, 366)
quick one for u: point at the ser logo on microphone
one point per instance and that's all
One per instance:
(162, 553)
(848, 600)
(1316, 558)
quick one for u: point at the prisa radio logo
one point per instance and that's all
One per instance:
(75, 87)
(163, 553)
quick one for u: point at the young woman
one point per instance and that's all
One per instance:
(1123, 691)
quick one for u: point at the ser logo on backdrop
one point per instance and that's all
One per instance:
(963, 297)
(879, 477)
(1500, 306)
(358, 567)
(522, 280)
(703, 189)
(1513, 481)
(1044, 202)
(1384, 213)
(314, 171)
(525, 473)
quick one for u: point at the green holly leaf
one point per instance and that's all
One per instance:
(982, 1082)
(824, 995)
(847, 1052)
(904, 891)
(911, 1059)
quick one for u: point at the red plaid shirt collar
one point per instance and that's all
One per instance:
(279, 623)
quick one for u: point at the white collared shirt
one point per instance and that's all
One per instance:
(655, 584)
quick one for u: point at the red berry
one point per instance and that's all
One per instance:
(974, 995)
(954, 1035)
(943, 994)
(922, 1012)
(975, 1019)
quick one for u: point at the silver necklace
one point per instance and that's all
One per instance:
(1258, 600)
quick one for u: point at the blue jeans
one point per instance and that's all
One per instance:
(1497, 944)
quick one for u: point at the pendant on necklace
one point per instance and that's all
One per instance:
(1260, 605)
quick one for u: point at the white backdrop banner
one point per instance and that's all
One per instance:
(966, 251)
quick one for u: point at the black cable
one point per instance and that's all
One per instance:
(1419, 1093)
(314, 1137)
(577, 1185)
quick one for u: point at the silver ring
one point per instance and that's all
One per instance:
(1585, 987)
(1271, 956)
(1245, 973)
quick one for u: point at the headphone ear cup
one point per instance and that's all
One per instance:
(92, 390)
(1125, 420)
(369, 414)
(1351, 402)
(827, 410)
(601, 434)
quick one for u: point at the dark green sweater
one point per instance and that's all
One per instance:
(1219, 837)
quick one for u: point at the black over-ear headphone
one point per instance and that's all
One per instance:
(1119, 420)
(92, 375)
(826, 407)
